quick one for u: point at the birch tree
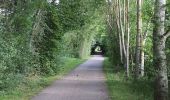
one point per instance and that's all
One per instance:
(128, 36)
(159, 39)
(138, 39)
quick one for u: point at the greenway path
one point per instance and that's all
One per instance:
(86, 82)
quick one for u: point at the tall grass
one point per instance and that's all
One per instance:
(122, 89)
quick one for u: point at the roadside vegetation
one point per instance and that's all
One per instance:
(41, 40)
(121, 89)
(33, 84)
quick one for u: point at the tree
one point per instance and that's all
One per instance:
(127, 31)
(138, 39)
(159, 39)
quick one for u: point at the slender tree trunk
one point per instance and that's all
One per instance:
(142, 57)
(138, 39)
(128, 37)
(143, 41)
(124, 15)
(159, 39)
(36, 29)
(121, 29)
(116, 10)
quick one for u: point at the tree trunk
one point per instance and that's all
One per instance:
(142, 55)
(121, 29)
(143, 41)
(128, 37)
(161, 81)
(138, 39)
(35, 31)
(116, 10)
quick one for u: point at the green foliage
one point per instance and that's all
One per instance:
(80, 23)
(32, 84)
(71, 41)
(71, 13)
(36, 34)
(14, 52)
(17, 27)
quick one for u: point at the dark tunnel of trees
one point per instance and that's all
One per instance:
(98, 49)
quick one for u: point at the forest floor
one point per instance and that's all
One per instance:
(86, 82)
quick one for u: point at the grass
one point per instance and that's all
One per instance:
(122, 89)
(35, 84)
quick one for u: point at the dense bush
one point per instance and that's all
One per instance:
(37, 34)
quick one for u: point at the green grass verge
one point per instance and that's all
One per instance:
(121, 89)
(35, 84)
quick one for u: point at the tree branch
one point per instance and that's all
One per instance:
(167, 34)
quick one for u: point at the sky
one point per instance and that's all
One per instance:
(1, 10)
(57, 1)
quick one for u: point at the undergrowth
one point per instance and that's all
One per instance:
(31, 85)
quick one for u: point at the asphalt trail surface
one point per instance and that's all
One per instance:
(86, 82)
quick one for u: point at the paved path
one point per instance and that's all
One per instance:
(86, 82)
